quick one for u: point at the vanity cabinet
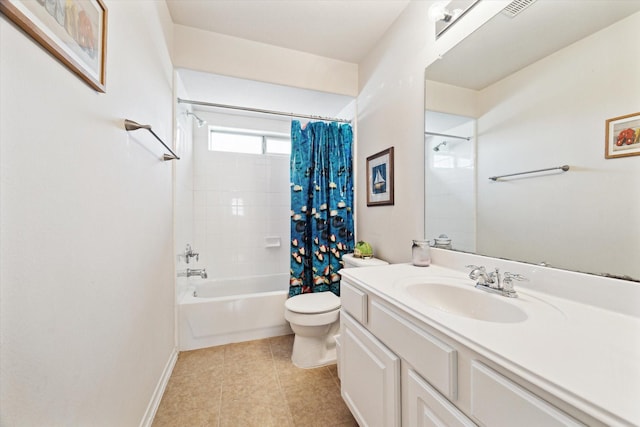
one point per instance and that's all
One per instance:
(399, 371)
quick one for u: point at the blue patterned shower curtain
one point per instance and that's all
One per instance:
(321, 205)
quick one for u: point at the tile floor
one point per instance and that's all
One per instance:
(251, 384)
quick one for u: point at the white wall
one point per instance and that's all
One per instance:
(239, 201)
(391, 113)
(587, 219)
(221, 54)
(87, 308)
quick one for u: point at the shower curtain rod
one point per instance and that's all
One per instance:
(258, 110)
(448, 136)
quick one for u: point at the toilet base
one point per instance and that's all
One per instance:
(313, 352)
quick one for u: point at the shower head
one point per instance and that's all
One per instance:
(437, 147)
(198, 119)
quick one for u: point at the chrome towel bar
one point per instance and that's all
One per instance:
(130, 125)
(563, 168)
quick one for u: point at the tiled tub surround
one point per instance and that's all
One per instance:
(585, 354)
(241, 213)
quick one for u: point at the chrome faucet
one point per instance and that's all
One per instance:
(493, 282)
(202, 272)
(480, 274)
(188, 254)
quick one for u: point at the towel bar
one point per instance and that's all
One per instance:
(130, 125)
(564, 169)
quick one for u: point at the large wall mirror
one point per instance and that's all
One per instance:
(531, 92)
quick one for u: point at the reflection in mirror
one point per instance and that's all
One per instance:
(445, 13)
(450, 179)
(549, 112)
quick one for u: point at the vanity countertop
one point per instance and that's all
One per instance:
(585, 355)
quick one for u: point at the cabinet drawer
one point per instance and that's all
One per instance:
(354, 301)
(426, 407)
(435, 360)
(498, 401)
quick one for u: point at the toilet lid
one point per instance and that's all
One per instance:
(319, 302)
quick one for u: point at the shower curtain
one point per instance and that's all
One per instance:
(321, 205)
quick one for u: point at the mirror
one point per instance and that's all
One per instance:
(531, 103)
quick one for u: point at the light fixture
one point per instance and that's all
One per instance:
(438, 11)
(445, 13)
(130, 125)
(199, 121)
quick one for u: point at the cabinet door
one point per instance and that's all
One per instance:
(424, 406)
(370, 377)
(496, 401)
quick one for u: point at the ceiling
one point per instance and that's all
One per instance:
(341, 29)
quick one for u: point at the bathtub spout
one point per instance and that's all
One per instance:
(202, 272)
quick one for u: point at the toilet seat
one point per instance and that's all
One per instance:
(313, 303)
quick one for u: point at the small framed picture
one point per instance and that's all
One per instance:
(75, 32)
(380, 178)
(622, 136)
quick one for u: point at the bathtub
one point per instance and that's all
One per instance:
(223, 311)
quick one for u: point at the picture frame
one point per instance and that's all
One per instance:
(74, 32)
(380, 178)
(622, 136)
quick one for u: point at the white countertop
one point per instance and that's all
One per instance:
(586, 355)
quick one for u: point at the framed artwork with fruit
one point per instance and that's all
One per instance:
(73, 31)
(622, 136)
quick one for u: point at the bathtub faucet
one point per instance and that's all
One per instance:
(188, 254)
(202, 272)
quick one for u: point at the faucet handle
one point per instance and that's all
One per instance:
(188, 253)
(507, 280)
(476, 271)
(514, 276)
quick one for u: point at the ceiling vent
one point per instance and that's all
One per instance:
(517, 6)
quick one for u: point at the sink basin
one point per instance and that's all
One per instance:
(467, 302)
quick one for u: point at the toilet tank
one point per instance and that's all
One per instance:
(351, 261)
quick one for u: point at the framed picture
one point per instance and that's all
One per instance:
(622, 136)
(380, 178)
(74, 31)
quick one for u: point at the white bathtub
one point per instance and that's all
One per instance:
(223, 311)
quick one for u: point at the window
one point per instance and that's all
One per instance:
(248, 142)
(277, 145)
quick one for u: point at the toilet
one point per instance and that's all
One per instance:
(315, 321)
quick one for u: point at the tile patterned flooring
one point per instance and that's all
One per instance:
(251, 384)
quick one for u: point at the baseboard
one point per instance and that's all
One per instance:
(152, 408)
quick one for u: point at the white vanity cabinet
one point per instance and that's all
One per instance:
(398, 371)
